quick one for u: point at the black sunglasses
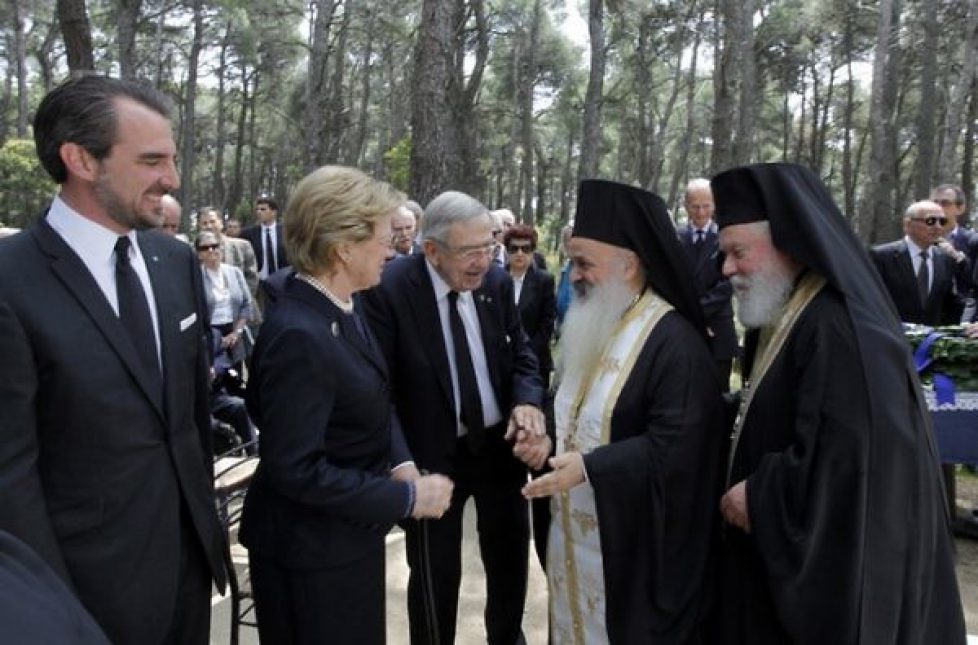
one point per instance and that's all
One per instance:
(930, 221)
(513, 249)
(207, 247)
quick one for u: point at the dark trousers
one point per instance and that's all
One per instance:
(434, 548)
(191, 624)
(338, 605)
(723, 371)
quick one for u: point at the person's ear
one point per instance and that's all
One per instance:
(79, 161)
(431, 251)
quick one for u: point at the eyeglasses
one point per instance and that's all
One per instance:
(930, 221)
(513, 249)
(208, 247)
(469, 253)
(948, 202)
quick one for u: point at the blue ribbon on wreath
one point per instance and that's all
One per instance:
(943, 384)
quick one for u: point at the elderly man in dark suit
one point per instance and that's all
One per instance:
(918, 275)
(702, 244)
(460, 367)
(104, 427)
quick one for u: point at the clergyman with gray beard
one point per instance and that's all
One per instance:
(639, 426)
(836, 525)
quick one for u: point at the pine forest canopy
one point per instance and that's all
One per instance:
(527, 97)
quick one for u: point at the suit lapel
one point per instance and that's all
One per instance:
(160, 264)
(430, 332)
(75, 276)
(938, 276)
(487, 306)
(903, 269)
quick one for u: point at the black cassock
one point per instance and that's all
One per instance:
(656, 488)
(849, 538)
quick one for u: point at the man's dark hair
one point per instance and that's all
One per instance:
(959, 195)
(271, 203)
(82, 110)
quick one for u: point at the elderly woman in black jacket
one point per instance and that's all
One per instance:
(325, 494)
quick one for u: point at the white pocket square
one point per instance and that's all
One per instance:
(188, 321)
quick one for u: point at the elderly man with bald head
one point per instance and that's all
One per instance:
(702, 245)
(917, 273)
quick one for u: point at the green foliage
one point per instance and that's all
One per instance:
(954, 355)
(398, 160)
(25, 188)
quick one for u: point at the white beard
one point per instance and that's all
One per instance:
(762, 296)
(587, 328)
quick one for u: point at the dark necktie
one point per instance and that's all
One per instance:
(269, 252)
(468, 386)
(134, 310)
(923, 278)
(699, 236)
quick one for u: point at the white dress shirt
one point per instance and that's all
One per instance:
(272, 231)
(473, 336)
(95, 245)
(915, 258)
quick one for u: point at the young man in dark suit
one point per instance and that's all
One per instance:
(266, 238)
(104, 428)
(702, 244)
(464, 380)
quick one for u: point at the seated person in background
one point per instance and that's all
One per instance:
(234, 251)
(229, 303)
(227, 408)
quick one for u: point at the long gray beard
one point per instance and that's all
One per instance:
(761, 297)
(587, 328)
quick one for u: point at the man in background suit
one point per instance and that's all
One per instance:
(403, 230)
(959, 242)
(460, 366)
(266, 238)
(104, 433)
(699, 238)
(917, 274)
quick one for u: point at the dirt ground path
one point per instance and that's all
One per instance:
(967, 551)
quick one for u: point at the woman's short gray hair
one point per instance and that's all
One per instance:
(449, 208)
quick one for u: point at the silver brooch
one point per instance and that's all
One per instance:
(335, 328)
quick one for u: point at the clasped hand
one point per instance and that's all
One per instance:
(528, 431)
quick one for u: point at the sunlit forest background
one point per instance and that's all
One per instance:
(515, 100)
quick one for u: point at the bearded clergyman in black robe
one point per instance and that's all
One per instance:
(837, 530)
(639, 424)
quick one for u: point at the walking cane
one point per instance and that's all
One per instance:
(427, 584)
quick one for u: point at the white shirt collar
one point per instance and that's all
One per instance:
(92, 242)
(913, 249)
(441, 287)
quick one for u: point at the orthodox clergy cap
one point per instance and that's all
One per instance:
(737, 197)
(807, 225)
(635, 219)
